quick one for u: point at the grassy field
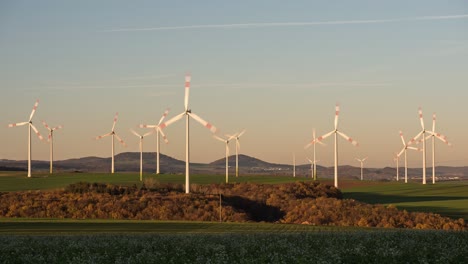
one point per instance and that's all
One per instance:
(445, 198)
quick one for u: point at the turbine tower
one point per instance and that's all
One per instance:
(312, 143)
(313, 164)
(294, 165)
(188, 113)
(113, 134)
(227, 153)
(434, 135)
(50, 139)
(158, 131)
(336, 132)
(30, 125)
(141, 149)
(362, 166)
(396, 159)
(406, 146)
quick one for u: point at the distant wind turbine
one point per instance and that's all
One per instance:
(113, 134)
(50, 139)
(226, 141)
(434, 135)
(313, 164)
(188, 113)
(397, 159)
(158, 131)
(30, 124)
(362, 165)
(336, 132)
(403, 150)
(237, 136)
(141, 149)
(312, 143)
(423, 134)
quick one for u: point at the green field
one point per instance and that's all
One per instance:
(445, 198)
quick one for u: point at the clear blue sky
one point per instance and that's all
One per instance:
(276, 68)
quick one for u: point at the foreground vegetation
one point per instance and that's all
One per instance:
(299, 203)
(402, 246)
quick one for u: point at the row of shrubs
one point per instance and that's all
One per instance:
(301, 203)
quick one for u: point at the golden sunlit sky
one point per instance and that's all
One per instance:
(275, 68)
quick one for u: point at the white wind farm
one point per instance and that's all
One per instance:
(161, 126)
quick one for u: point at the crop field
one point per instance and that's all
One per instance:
(358, 246)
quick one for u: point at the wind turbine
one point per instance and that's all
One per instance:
(158, 131)
(336, 132)
(312, 143)
(50, 139)
(434, 135)
(227, 153)
(406, 146)
(313, 172)
(30, 124)
(188, 113)
(113, 134)
(141, 149)
(362, 165)
(237, 136)
(423, 134)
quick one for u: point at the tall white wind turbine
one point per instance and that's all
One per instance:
(336, 132)
(158, 132)
(433, 135)
(113, 134)
(188, 113)
(406, 146)
(312, 143)
(362, 165)
(237, 136)
(30, 124)
(226, 141)
(397, 159)
(141, 149)
(423, 134)
(50, 139)
(313, 172)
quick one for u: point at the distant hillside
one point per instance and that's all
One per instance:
(130, 162)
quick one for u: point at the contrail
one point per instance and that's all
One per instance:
(291, 24)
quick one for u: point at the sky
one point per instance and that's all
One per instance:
(274, 68)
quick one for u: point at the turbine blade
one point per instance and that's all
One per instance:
(18, 124)
(442, 138)
(421, 117)
(34, 109)
(402, 138)
(187, 91)
(37, 132)
(350, 140)
(120, 140)
(401, 152)
(149, 133)
(46, 126)
(231, 137)
(99, 137)
(57, 127)
(337, 113)
(321, 143)
(219, 138)
(147, 126)
(115, 120)
(163, 135)
(412, 148)
(203, 122)
(413, 140)
(364, 158)
(135, 133)
(313, 133)
(172, 120)
(163, 116)
(323, 137)
(433, 121)
(241, 133)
